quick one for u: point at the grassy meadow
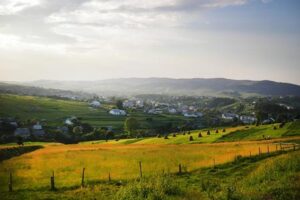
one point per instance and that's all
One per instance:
(55, 111)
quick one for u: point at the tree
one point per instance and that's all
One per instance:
(20, 141)
(119, 104)
(131, 125)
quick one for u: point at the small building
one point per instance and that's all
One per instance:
(22, 132)
(37, 126)
(268, 121)
(172, 111)
(117, 112)
(69, 121)
(95, 104)
(230, 116)
(248, 119)
(191, 115)
(128, 104)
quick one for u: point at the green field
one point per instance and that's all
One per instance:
(231, 134)
(56, 111)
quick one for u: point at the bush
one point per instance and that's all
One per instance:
(154, 188)
(191, 138)
(199, 135)
(166, 137)
(217, 131)
(174, 135)
(208, 132)
(224, 130)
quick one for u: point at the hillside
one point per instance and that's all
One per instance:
(196, 86)
(8, 88)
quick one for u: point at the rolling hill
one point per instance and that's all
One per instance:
(196, 86)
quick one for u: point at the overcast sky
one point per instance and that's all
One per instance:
(100, 39)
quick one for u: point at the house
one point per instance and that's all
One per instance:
(70, 121)
(22, 132)
(230, 116)
(37, 130)
(95, 104)
(155, 111)
(117, 112)
(190, 115)
(248, 119)
(172, 111)
(139, 103)
(128, 104)
(37, 126)
(268, 121)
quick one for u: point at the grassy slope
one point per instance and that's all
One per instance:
(257, 133)
(264, 177)
(240, 133)
(55, 111)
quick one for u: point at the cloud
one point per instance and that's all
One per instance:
(66, 22)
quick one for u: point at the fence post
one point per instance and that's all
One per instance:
(82, 177)
(276, 147)
(10, 185)
(141, 173)
(179, 169)
(280, 147)
(52, 183)
(268, 149)
(250, 154)
(109, 178)
(259, 152)
(214, 163)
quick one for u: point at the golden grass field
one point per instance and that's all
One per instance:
(33, 170)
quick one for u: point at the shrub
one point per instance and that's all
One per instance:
(191, 138)
(158, 135)
(199, 135)
(166, 137)
(208, 132)
(153, 188)
(217, 131)
(224, 130)
(174, 135)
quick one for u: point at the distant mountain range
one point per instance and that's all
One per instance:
(196, 86)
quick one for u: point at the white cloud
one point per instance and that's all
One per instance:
(10, 7)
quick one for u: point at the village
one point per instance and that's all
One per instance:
(193, 112)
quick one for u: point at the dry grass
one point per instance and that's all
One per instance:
(33, 170)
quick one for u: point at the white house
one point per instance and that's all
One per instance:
(248, 119)
(172, 111)
(128, 104)
(229, 116)
(37, 126)
(190, 115)
(95, 104)
(117, 112)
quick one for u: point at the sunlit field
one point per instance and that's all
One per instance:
(33, 170)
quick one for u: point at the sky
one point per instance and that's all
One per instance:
(103, 39)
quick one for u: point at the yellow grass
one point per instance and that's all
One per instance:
(33, 170)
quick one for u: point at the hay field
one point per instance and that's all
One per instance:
(33, 170)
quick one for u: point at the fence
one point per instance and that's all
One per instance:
(280, 147)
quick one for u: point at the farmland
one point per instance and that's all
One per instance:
(224, 162)
(120, 160)
(55, 111)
